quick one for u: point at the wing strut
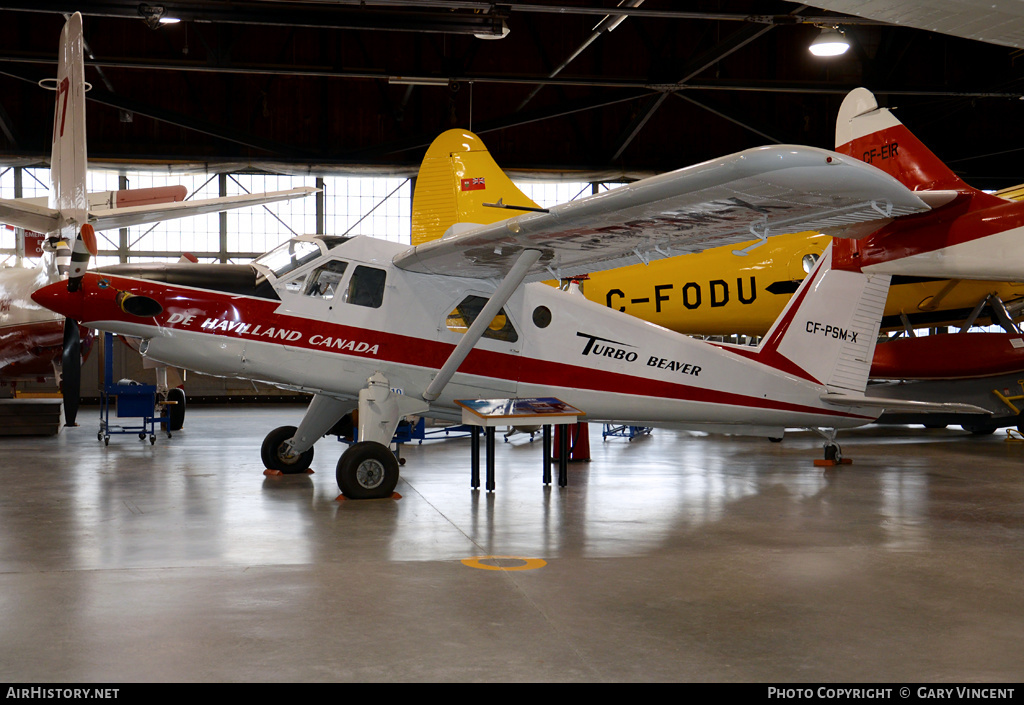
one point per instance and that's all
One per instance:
(502, 294)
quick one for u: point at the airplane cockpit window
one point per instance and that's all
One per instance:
(366, 288)
(460, 319)
(325, 280)
(289, 256)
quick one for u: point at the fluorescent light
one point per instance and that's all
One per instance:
(417, 81)
(831, 42)
(501, 35)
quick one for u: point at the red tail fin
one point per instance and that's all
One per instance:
(865, 131)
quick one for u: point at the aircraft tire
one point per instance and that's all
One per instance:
(176, 412)
(272, 458)
(980, 429)
(833, 452)
(367, 470)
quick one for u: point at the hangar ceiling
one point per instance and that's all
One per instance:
(294, 86)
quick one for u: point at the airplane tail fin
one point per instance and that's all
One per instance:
(865, 131)
(69, 195)
(827, 332)
(457, 177)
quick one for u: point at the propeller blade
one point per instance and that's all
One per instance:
(71, 370)
(89, 238)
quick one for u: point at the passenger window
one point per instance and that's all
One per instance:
(460, 319)
(325, 280)
(366, 287)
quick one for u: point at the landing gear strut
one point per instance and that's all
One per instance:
(368, 469)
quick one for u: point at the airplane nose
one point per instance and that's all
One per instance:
(56, 297)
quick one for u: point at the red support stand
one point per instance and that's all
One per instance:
(579, 442)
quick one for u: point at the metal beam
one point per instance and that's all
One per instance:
(638, 123)
(361, 16)
(733, 120)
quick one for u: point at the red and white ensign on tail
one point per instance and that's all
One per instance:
(476, 184)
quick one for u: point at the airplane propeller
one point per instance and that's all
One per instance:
(71, 370)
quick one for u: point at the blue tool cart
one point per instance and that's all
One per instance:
(621, 431)
(127, 401)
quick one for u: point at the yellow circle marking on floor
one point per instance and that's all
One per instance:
(521, 563)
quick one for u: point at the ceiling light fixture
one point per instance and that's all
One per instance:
(498, 35)
(831, 42)
(417, 81)
(156, 15)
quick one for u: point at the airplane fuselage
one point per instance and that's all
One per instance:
(963, 240)
(548, 343)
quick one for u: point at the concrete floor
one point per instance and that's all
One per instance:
(674, 557)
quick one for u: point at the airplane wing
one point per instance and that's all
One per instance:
(108, 218)
(763, 191)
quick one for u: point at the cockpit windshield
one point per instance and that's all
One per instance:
(289, 256)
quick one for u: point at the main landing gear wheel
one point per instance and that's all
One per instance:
(277, 457)
(176, 411)
(367, 470)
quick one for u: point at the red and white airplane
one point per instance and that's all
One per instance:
(393, 331)
(35, 342)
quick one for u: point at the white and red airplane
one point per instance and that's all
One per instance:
(35, 342)
(393, 331)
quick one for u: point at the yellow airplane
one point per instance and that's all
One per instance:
(711, 293)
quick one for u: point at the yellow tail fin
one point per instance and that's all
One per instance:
(457, 176)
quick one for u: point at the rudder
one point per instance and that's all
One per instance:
(876, 136)
(69, 195)
(828, 331)
(457, 176)
(68, 155)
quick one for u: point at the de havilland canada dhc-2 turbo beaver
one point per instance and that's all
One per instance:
(392, 330)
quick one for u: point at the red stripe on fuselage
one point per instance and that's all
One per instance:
(199, 307)
(768, 352)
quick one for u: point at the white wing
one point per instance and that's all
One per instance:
(106, 219)
(728, 200)
(26, 213)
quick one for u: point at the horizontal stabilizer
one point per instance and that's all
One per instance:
(32, 216)
(107, 219)
(903, 405)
